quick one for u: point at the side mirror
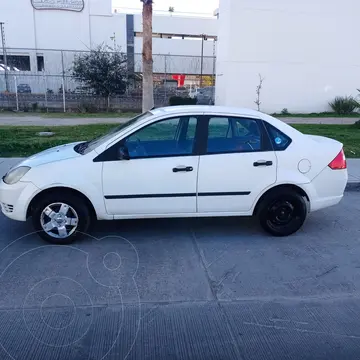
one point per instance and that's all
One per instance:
(123, 153)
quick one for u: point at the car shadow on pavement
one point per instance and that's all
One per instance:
(218, 225)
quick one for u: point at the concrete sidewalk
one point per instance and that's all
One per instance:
(353, 169)
(13, 120)
(17, 120)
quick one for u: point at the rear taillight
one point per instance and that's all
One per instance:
(339, 162)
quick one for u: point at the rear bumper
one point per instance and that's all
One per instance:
(327, 189)
(325, 202)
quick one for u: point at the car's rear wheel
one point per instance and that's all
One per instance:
(60, 219)
(282, 212)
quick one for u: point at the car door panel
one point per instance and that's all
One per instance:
(161, 175)
(236, 166)
(150, 186)
(231, 182)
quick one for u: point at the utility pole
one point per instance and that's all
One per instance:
(113, 38)
(2, 28)
(214, 61)
(165, 83)
(214, 69)
(203, 37)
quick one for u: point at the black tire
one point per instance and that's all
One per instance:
(282, 212)
(76, 202)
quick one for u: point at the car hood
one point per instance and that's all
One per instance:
(57, 153)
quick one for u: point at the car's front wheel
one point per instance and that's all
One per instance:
(60, 218)
(282, 212)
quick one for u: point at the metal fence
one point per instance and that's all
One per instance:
(40, 80)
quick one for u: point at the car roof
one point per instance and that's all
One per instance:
(208, 109)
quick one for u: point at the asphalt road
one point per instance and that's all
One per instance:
(184, 289)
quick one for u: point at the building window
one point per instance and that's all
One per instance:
(40, 63)
(17, 62)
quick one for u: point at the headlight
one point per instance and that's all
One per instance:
(15, 175)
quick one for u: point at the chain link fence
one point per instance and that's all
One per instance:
(35, 80)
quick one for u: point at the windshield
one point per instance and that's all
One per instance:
(89, 146)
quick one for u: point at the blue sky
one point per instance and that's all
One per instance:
(196, 6)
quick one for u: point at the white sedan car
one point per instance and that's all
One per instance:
(187, 161)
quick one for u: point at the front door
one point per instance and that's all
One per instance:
(160, 176)
(237, 166)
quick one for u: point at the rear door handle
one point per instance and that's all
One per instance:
(183, 169)
(263, 163)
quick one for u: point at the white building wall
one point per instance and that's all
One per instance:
(59, 35)
(179, 25)
(184, 56)
(67, 30)
(304, 50)
(62, 29)
(19, 23)
(100, 7)
(104, 27)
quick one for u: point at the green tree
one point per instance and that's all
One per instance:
(103, 70)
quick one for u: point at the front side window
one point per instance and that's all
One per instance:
(228, 134)
(171, 137)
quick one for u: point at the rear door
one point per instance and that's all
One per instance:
(236, 165)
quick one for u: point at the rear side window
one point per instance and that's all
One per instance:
(233, 135)
(279, 140)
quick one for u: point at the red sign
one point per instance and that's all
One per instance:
(180, 79)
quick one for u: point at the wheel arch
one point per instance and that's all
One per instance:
(292, 187)
(62, 189)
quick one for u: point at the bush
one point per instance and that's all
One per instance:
(344, 105)
(357, 124)
(179, 100)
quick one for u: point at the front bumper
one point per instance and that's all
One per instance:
(15, 199)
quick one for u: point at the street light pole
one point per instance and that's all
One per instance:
(4, 54)
(202, 60)
(113, 38)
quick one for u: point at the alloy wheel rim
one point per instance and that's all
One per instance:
(59, 220)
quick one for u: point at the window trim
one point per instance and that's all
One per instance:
(110, 154)
(267, 126)
(266, 144)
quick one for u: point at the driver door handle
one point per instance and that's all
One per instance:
(263, 163)
(182, 169)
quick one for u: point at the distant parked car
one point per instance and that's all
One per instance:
(206, 96)
(193, 93)
(24, 89)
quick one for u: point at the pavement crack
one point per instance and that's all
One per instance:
(214, 288)
(276, 327)
(212, 283)
(327, 271)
